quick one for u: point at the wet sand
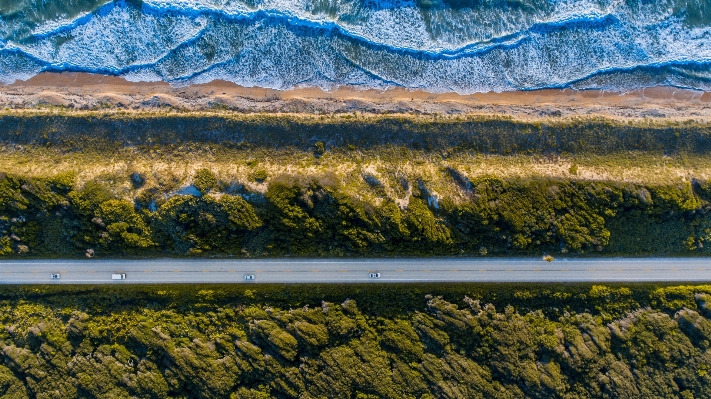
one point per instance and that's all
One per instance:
(81, 91)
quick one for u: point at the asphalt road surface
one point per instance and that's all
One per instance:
(93, 271)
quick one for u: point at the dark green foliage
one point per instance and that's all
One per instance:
(260, 175)
(123, 223)
(319, 148)
(192, 225)
(423, 224)
(316, 217)
(573, 170)
(478, 134)
(212, 341)
(204, 180)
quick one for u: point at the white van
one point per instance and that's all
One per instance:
(118, 276)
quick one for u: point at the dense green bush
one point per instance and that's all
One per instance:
(391, 341)
(192, 225)
(204, 180)
(315, 217)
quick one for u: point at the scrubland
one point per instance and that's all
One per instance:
(115, 184)
(371, 341)
(157, 184)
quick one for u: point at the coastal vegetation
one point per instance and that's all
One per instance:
(103, 185)
(319, 215)
(93, 184)
(363, 341)
(480, 134)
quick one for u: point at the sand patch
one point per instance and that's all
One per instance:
(88, 91)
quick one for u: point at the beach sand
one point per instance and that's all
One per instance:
(81, 91)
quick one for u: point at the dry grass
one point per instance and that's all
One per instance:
(398, 169)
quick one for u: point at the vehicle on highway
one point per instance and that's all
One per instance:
(374, 275)
(249, 276)
(118, 276)
(54, 276)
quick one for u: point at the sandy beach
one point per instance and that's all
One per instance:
(83, 91)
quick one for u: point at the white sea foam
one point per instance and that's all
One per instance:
(288, 43)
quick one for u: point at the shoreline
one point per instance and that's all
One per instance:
(82, 91)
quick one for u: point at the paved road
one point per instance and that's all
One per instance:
(352, 271)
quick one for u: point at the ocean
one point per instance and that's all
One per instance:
(463, 46)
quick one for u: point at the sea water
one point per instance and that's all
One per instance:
(463, 46)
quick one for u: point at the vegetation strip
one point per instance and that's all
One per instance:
(75, 184)
(315, 217)
(488, 135)
(370, 341)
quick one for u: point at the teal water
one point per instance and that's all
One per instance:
(464, 46)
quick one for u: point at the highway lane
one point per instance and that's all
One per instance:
(96, 271)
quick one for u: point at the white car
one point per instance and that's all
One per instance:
(249, 276)
(54, 276)
(118, 276)
(374, 275)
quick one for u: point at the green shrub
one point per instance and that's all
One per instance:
(387, 340)
(319, 148)
(124, 223)
(204, 180)
(316, 216)
(260, 175)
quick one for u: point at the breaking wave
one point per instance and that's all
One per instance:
(464, 46)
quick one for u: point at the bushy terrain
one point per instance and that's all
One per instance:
(490, 135)
(122, 184)
(317, 216)
(378, 341)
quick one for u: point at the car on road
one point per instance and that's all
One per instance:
(118, 276)
(54, 276)
(249, 276)
(374, 275)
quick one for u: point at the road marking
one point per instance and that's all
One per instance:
(536, 270)
(399, 271)
(565, 270)
(482, 270)
(258, 271)
(148, 271)
(206, 271)
(287, 271)
(647, 269)
(427, 271)
(343, 271)
(675, 269)
(314, 271)
(619, 269)
(35, 272)
(509, 270)
(232, 271)
(702, 269)
(176, 271)
(91, 271)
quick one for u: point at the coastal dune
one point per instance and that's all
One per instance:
(83, 91)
